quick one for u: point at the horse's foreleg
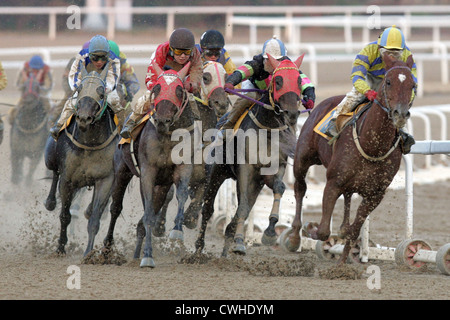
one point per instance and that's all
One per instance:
(367, 205)
(293, 241)
(67, 194)
(147, 185)
(162, 197)
(102, 192)
(121, 181)
(330, 195)
(343, 229)
(50, 202)
(269, 237)
(182, 176)
(197, 187)
(218, 176)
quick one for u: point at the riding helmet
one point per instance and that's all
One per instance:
(36, 62)
(98, 43)
(114, 48)
(392, 38)
(212, 39)
(182, 39)
(275, 47)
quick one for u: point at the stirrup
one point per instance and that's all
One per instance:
(127, 129)
(54, 131)
(331, 128)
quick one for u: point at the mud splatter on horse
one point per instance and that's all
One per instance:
(364, 159)
(83, 156)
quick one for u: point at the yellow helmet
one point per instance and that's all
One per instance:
(392, 38)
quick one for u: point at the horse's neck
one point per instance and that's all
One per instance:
(207, 116)
(98, 132)
(375, 129)
(186, 118)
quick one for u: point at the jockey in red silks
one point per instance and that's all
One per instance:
(173, 54)
(42, 73)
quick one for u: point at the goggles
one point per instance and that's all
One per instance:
(212, 52)
(179, 52)
(95, 57)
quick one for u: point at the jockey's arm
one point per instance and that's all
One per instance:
(112, 78)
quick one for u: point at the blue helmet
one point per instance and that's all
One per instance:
(275, 47)
(98, 43)
(36, 62)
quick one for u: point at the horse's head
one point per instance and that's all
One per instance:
(396, 89)
(286, 87)
(169, 96)
(91, 100)
(213, 93)
(31, 91)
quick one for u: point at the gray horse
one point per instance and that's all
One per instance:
(83, 156)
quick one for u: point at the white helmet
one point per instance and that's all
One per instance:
(275, 47)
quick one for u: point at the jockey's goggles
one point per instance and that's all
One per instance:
(179, 52)
(212, 52)
(96, 57)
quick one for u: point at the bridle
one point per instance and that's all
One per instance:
(101, 102)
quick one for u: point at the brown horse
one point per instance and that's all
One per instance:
(273, 125)
(364, 159)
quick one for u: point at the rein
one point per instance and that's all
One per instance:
(94, 148)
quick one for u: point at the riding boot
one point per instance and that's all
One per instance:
(54, 131)
(130, 124)
(407, 141)
(236, 112)
(331, 128)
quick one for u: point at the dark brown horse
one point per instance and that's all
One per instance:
(266, 129)
(83, 156)
(364, 160)
(159, 166)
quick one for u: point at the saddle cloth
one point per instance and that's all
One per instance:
(322, 127)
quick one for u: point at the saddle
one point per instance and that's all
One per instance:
(341, 121)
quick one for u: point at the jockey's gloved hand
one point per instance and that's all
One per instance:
(371, 95)
(309, 104)
(228, 86)
(191, 87)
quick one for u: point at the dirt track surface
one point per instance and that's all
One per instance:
(29, 269)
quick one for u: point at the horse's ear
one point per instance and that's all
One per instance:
(104, 71)
(388, 60)
(410, 61)
(274, 62)
(183, 72)
(84, 72)
(299, 61)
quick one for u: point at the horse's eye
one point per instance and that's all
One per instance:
(278, 82)
(207, 78)
(388, 82)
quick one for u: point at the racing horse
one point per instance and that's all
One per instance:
(161, 160)
(364, 159)
(28, 132)
(82, 156)
(211, 106)
(274, 122)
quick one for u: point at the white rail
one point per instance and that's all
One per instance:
(347, 12)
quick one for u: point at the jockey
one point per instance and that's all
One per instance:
(41, 71)
(368, 71)
(128, 82)
(174, 54)
(211, 48)
(258, 72)
(94, 58)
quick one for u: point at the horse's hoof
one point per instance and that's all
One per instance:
(240, 249)
(268, 240)
(158, 232)
(176, 235)
(50, 205)
(287, 243)
(147, 263)
(190, 223)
